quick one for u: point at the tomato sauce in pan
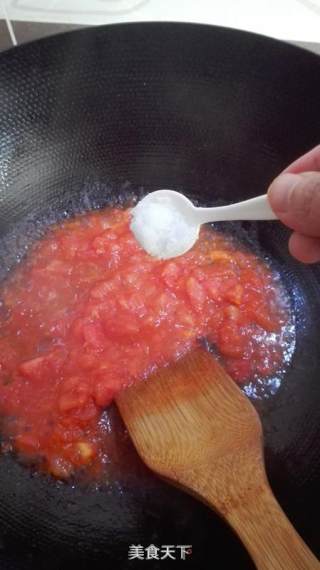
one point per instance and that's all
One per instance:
(88, 312)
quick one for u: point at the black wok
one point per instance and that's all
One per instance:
(93, 116)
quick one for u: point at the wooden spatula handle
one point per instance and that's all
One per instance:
(268, 535)
(194, 427)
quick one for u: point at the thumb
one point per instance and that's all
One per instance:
(295, 199)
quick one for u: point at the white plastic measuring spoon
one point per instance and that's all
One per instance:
(167, 224)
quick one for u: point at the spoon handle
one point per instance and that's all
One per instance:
(254, 209)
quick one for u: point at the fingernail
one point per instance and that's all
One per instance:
(280, 190)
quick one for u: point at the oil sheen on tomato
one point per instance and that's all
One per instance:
(88, 312)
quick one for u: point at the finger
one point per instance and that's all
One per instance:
(295, 199)
(304, 248)
(308, 162)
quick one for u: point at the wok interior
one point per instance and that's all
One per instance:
(99, 116)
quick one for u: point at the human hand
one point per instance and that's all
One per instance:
(295, 198)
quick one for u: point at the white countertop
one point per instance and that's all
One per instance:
(296, 20)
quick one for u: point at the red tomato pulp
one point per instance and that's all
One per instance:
(89, 311)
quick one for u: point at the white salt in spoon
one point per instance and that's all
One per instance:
(167, 224)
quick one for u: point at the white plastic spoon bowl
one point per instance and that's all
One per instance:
(167, 224)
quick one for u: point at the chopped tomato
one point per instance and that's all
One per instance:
(89, 312)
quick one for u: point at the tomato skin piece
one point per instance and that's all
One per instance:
(75, 395)
(71, 401)
(27, 443)
(231, 342)
(104, 394)
(171, 274)
(234, 295)
(196, 293)
(33, 368)
(84, 453)
(94, 335)
(240, 369)
(222, 255)
(59, 467)
(232, 312)
(261, 318)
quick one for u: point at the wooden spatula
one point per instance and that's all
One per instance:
(193, 426)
